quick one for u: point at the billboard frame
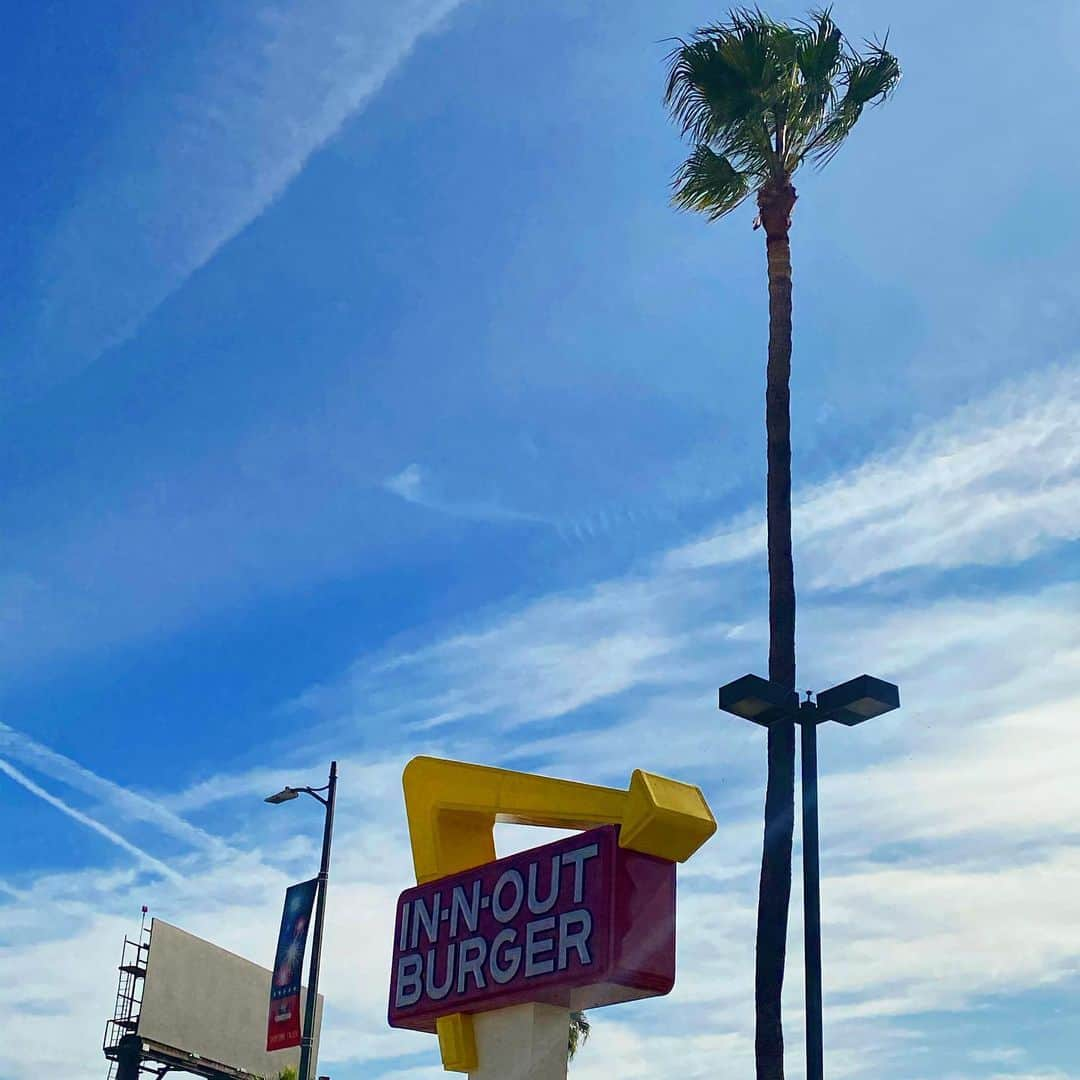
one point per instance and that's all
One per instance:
(136, 1035)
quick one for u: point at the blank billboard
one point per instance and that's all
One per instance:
(202, 1000)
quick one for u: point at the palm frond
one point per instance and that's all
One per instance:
(708, 183)
(868, 80)
(580, 1029)
(872, 78)
(708, 89)
(756, 98)
(819, 59)
(722, 85)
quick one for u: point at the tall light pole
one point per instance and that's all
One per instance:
(307, 1038)
(811, 873)
(850, 703)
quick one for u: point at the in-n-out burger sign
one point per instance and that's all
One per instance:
(585, 921)
(581, 922)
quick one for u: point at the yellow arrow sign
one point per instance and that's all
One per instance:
(452, 808)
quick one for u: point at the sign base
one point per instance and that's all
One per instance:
(525, 1042)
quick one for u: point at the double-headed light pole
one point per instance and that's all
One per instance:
(287, 794)
(850, 703)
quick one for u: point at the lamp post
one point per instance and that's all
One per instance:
(850, 703)
(287, 794)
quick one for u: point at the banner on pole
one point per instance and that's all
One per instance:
(283, 1029)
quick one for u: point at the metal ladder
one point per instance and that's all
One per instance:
(129, 994)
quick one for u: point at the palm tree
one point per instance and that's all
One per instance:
(757, 99)
(579, 1034)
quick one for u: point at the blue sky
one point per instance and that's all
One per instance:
(362, 396)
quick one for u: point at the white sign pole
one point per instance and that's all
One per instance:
(524, 1042)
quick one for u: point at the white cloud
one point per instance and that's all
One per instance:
(1037, 1074)
(915, 939)
(618, 1050)
(553, 656)
(1001, 1055)
(407, 483)
(57, 994)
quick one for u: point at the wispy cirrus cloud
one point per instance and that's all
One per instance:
(414, 485)
(949, 826)
(997, 482)
(889, 919)
(203, 151)
(994, 483)
(940, 819)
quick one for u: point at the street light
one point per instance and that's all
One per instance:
(858, 699)
(850, 703)
(287, 794)
(757, 699)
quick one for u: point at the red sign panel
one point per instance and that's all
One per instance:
(580, 923)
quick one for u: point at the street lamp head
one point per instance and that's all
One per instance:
(859, 699)
(284, 795)
(757, 699)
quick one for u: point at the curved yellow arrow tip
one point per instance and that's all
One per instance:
(665, 817)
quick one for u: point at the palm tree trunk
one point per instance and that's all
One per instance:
(774, 890)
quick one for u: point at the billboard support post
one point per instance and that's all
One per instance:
(129, 1058)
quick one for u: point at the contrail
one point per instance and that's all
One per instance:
(91, 823)
(30, 752)
(261, 94)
